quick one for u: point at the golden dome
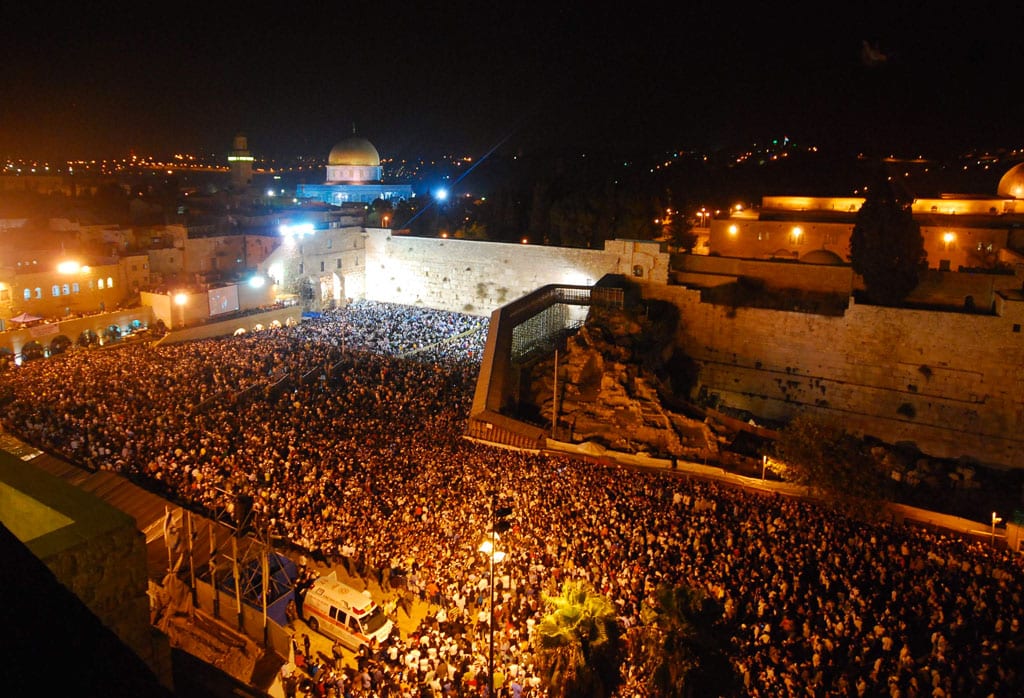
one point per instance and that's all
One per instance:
(1011, 185)
(354, 151)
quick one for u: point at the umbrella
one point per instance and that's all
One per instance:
(25, 317)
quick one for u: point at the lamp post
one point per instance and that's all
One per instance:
(180, 300)
(995, 519)
(764, 465)
(499, 523)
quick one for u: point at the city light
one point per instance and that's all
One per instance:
(296, 229)
(69, 267)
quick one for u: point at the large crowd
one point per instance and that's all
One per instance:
(347, 432)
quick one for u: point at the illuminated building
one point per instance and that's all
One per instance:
(960, 231)
(354, 175)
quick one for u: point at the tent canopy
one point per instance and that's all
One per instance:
(25, 317)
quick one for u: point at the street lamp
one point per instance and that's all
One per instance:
(995, 520)
(181, 299)
(499, 524)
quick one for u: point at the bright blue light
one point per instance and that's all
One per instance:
(441, 194)
(297, 229)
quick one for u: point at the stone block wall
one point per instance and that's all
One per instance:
(108, 574)
(474, 277)
(952, 383)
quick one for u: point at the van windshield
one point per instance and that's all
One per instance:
(374, 621)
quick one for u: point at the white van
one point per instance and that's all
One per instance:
(335, 609)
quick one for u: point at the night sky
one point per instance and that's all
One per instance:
(102, 79)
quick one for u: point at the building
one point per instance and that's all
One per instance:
(961, 232)
(354, 175)
(240, 163)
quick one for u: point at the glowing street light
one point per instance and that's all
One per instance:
(181, 299)
(499, 524)
(995, 519)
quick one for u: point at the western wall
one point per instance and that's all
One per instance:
(949, 382)
(474, 277)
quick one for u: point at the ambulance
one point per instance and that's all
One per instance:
(352, 617)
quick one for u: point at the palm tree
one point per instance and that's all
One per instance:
(576, 643)
(674, 649)
(662, 647)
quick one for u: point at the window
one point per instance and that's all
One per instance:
(55, 290)
(339, 263)
(321, 265)
(831, 238)
(27, 294)
(110, 282)
(301, 267)
(762, 235)
(334, 613)
(66, 290)
(99, 284)
(1016, 327)
(5, 294)
(75, 288)
(39, 292)
(330, 243)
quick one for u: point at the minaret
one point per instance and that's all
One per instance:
(240, 161)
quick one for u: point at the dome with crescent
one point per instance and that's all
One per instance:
(353, 161)
(354, 175)
(354, 151)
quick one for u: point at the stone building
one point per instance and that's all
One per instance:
(959, 231)
(354, 175)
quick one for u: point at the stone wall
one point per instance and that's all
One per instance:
(949, 382)
(474, 277)
(93, 549)
(108, 574)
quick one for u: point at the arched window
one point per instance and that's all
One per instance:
(39, 292)
(66, 289)
(75, 287)
(28, 293)
(110, 282)
(55, 290)
(99, 283)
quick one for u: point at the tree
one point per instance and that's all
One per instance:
(381, 213)
(680, 233)
(674, 649)
(576, 643)
(886, 246)
(818, 453)
(663, 646)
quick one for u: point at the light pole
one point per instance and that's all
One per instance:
(995, 520)
(764, 465)
(499, 523)
(181, 299)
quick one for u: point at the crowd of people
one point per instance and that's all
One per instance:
(347, 433)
